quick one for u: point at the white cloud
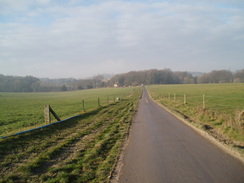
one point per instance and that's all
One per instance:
(43, 1)
(119, 35)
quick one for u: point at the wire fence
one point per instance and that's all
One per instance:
(42, 118)
(217, 103)
(215, 110)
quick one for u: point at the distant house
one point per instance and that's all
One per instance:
(116, 85)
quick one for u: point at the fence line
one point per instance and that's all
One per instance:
(201, 100)
(33, 129)
(48, 110)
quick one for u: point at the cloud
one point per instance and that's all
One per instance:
(109, 36)
(43, 1)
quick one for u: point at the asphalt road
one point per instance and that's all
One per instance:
(162, 149)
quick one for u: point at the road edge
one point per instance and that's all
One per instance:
(116, 172)
(115, 175)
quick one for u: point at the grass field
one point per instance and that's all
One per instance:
(221, 108)
(21, 111)
(82, 149)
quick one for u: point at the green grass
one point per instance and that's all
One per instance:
(223, 105)
(21, 111)
(82, 149)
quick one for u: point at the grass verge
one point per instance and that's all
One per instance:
(24, 111)
(82, 149)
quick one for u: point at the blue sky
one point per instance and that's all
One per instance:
(82, 38)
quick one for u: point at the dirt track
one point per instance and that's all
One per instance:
(163, 149)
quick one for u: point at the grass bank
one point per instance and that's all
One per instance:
(82, 149)
(22, 111)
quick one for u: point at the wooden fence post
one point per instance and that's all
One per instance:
(54, 114)
(83, 105)
(203, 101)
(184, 98)
(47, 111)
(47, 114)
(98, 101)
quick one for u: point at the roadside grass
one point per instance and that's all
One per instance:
(221, 113)
(82, 149)
(23, 111)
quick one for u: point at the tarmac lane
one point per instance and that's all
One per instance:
(162, 149)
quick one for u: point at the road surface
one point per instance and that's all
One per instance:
(162, 149)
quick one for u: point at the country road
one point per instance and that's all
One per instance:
(162, 149)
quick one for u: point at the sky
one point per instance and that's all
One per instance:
(82, 38)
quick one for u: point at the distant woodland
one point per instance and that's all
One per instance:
(167, 76)
(133, 78)
(33, 84)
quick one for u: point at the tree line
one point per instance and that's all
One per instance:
(33, 84)
(133, 78)
(167, 76)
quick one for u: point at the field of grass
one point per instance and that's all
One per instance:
(220, 109)
(82, 149)
(22, 111)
